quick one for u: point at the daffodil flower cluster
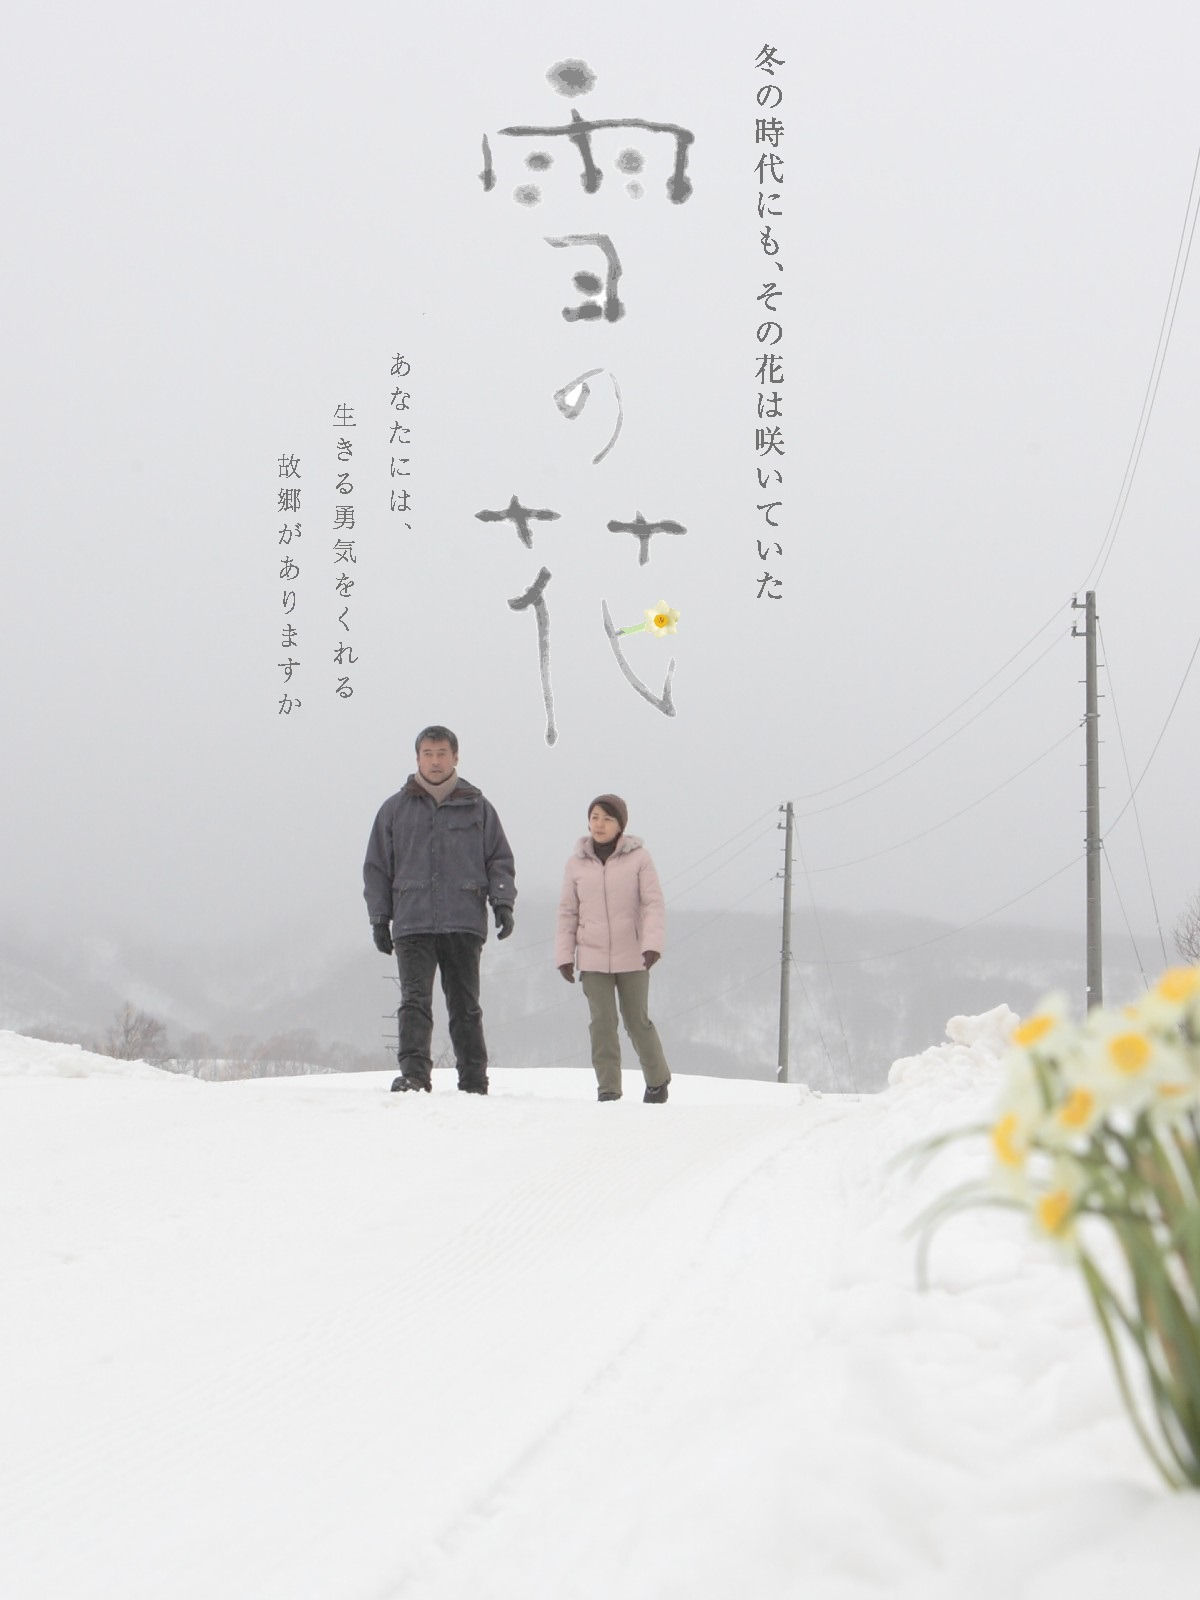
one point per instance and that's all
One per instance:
(1097, 1137)
(1078, 1098)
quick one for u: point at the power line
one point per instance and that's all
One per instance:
(721, 867)
(834, 805)
(1179, 270)
(720, 995)
(508, 1022)
(683, 871)
(683, 1012)
(884, 955)
(912, 838)
(829, 1061)
(1100, 560)
(1158, 741)
(1136, 814)
(837, 1005)
(540, 944)
(815, 794)
(1178, 273)
(1125, 917)
(531, 966)
(733, 904)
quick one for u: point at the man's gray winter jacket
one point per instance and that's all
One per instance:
(433, 869)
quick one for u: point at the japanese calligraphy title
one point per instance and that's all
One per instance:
(600, 303)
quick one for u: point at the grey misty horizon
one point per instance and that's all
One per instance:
(716, 992)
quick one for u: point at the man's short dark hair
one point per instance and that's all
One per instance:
(436, 735)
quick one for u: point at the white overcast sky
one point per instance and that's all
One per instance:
(224, 221)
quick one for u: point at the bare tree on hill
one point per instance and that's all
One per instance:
(135, 1036)
(1186, 931)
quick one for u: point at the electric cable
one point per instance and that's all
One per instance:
(834, 805)
(683, 871)
(539, 944)
(679, 893)
(1178, 273)
(949, 933)
(837, 1005)
(733, 904)
(1136, 814)
(834, 1070)
(1100, 560)
(1158, 741)
(720, 995)
(1125, 917)
(683, 1012)
(912, 838)
(815, 794)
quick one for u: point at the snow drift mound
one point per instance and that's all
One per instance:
(976, 1046)
(38, 1058)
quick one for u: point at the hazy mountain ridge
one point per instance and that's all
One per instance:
(715, 994)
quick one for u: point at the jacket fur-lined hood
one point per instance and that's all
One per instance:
(626, 843)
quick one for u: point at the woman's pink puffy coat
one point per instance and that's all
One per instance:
(610, 911)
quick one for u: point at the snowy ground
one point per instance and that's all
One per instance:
(307, 1340)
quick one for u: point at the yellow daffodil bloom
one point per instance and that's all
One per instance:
(1175, 998)
(1042, 1031)
(1129, 1052)
(661, 619)
(1036, 1028)
(1178, 984)
(1076, 1109)
(1005, 1144)
(1052, 1210)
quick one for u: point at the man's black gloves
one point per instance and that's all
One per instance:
(504, 921)
(383, 939)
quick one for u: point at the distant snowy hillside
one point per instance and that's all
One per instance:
(865, 990)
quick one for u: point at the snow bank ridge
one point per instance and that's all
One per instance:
(21, 1057)
(976, 1046)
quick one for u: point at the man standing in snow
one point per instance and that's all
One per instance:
(437, 855)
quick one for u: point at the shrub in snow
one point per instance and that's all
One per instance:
(1097, 1138)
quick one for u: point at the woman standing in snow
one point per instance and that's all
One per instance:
(611, 922)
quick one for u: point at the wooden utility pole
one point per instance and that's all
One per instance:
(1095, 963)
(785, 960)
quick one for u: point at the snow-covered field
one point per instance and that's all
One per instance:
(307, 1340)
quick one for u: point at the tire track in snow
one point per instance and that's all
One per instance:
(583, 1227)
(453, 1544)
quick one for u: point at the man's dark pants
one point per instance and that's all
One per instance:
(456, 956)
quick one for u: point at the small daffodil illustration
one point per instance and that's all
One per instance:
(660, 619)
